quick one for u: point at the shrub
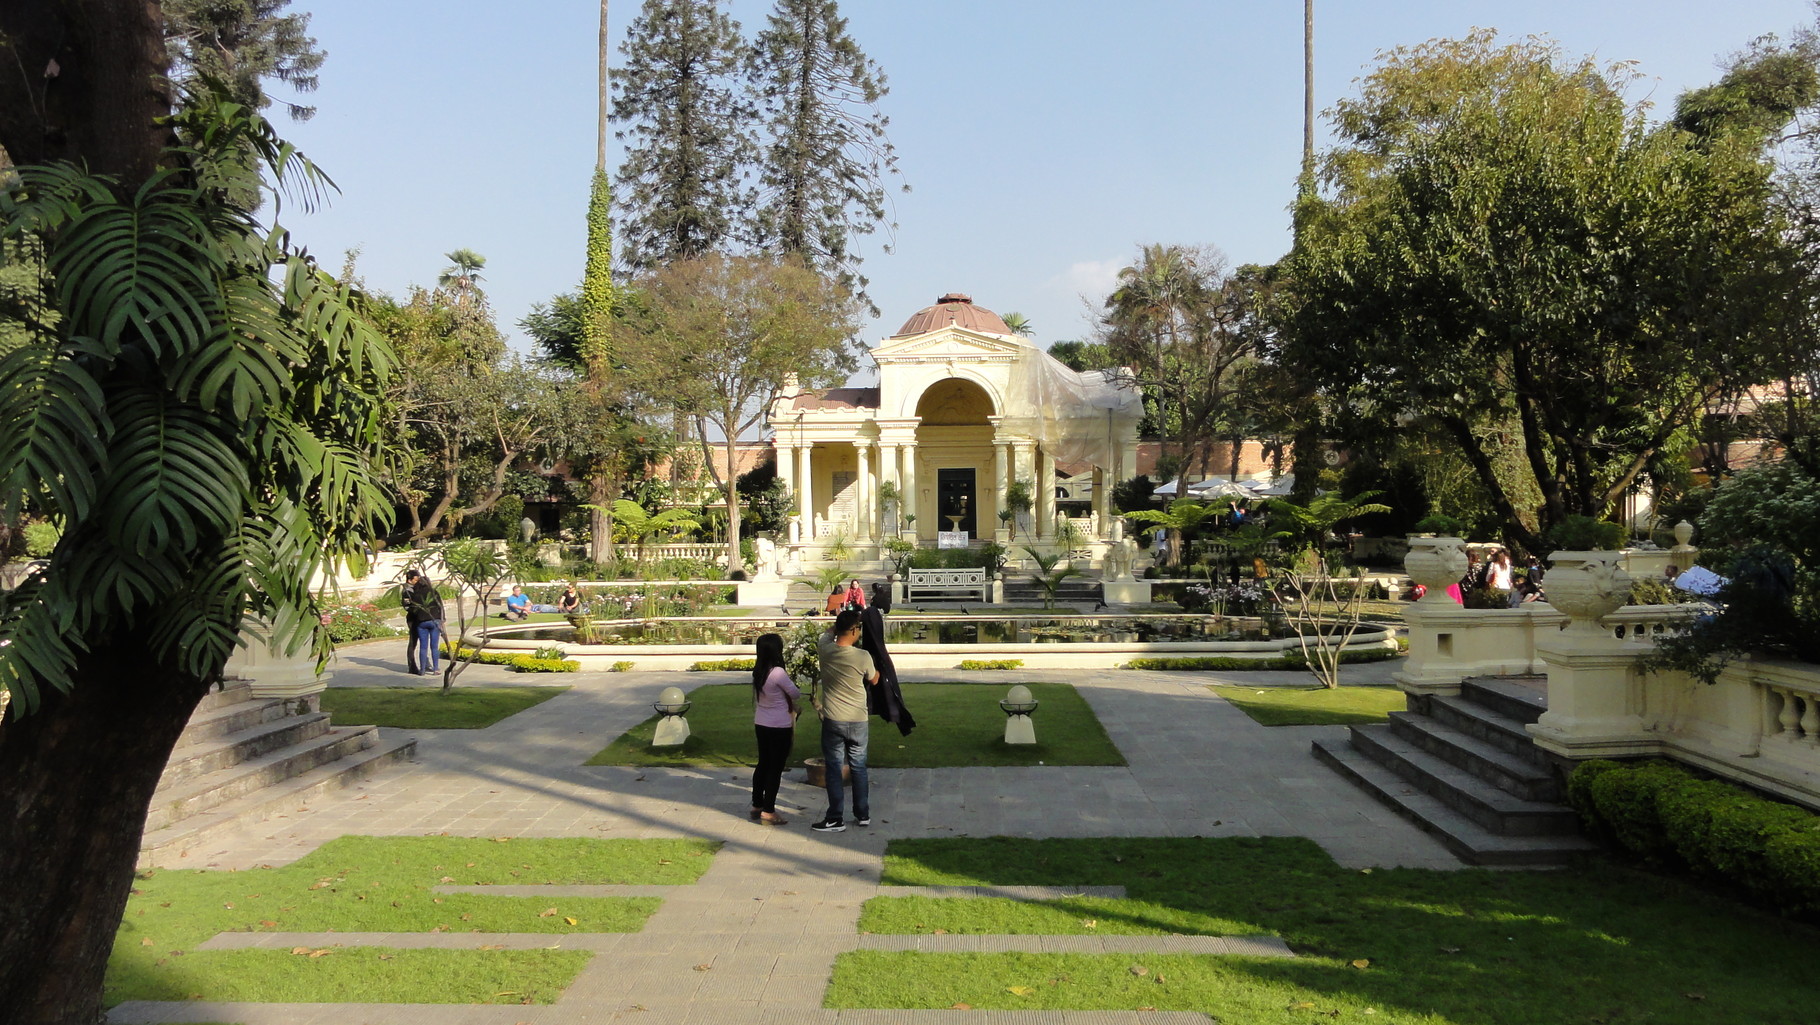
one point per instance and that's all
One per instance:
(1765, 851)
(620, 667)
(1651, 591)
(1487, 598)
(548, 651)
(533, 664)
(992, 663)
(351, 622)
(1584, 533)
(41, 537)
(1290, 661)
(725, 665)
(1437, 523)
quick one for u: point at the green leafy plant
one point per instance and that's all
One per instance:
(992, 663)
(1586, 534)
(620, 667)
(724, 665)
(549, 651)
(1440, 524)
(899, 551)
(41, 538)
(839, 547)
(1050, 573)
(533, 664)
(355, 622)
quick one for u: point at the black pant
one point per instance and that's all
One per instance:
(774, 744)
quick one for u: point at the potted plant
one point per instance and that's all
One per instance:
(1586, 580)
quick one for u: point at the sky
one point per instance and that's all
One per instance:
(1044, 142)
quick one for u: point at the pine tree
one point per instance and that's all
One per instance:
(824, 167)
(682, 187)
(242, 43)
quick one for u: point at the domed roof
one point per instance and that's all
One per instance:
(957, 310)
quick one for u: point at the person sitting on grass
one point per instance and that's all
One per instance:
(518, 604)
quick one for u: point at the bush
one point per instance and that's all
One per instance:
(725, 665)
(992, 663)
(1487, 598)
(41, 537)
(620, 667)
(1291, 661)
(533, 664)
(1437, 523)
(1764, 851)
(1584, 533)
(1652, 591)
(351, 622)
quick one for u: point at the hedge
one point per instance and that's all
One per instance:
(1291, 661)
(1764, 851)
(992, 663)
(725, 665)
(515, 661)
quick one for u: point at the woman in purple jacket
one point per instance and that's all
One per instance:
(774, 720)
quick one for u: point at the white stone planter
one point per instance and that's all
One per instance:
(1587, 587)
(1435, 563)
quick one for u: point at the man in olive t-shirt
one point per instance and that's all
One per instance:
(840, 700)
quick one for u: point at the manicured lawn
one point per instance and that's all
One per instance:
(428, 708)
(385, 884)
(1596, 944)
(1314, 706)
(958, 724)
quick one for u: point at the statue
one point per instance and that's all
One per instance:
(766, 563)
(527, 529)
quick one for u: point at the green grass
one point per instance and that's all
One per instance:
(1313, 706)
(385, 884)
(957, 724)
(429, 708)
(1596, 944)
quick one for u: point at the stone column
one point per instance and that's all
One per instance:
(807, 476)
(1102, 503)
(888, 456)
(911, 502)
(863, 501)
(1001, 460)
(1045, 494)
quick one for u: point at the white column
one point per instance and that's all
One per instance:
(1023, 469)
(1045, 493)
(912, 502)
(807, 477)
(786, 472)
(887, 471)
(1102, 502)
(1001, 465)
(863, 481)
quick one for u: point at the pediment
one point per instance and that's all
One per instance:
(956, 343)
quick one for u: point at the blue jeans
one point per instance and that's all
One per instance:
(846, 742)
(429, 635)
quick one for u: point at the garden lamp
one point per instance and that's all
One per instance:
(1018, 705)
(673, 729)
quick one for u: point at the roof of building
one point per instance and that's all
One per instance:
(953, 309)
(837, 398)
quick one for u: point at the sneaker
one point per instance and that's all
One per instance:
(829, 826)
(863, 820)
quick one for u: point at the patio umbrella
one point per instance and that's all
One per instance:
(1222, 490)
(1701, 581)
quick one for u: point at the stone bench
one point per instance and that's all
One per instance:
(922, 584)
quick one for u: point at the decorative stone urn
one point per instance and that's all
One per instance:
(1587, 587)
(1435, 563)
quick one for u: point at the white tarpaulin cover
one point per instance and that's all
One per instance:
(1078, 417)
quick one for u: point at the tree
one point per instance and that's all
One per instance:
(476, 569)
(683, 192)
(1048, 577)
(639, 526)
(823, 171)
(1323, 607)
(1183, 518)
(1018, 323)
(462, 276)
(722, 335)
(207, 434)
(242, 43)
(1505, 240)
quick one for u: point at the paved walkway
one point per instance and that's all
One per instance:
(754, 940)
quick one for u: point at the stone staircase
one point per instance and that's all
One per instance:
(243, 759)
(1466, 771)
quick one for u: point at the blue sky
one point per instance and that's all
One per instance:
(1043, 142)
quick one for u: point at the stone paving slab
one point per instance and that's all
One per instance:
(1243, 946)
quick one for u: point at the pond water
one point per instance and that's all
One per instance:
(962, 630)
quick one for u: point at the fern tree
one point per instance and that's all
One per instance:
(202, 413)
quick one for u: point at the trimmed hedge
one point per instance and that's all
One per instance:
(992, 663)
(725, 665)
(518, 662)
(1758, 849)
(1291, 661)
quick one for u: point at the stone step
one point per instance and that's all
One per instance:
(193, 761)
(217, 788)
(164, 847)
(1476, 720)
(1523, 698)
(214, 723)
(1457, 788)
(232, 693)
(1472, 842)
(1511, 773)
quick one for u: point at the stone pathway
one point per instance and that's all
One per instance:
(755, 939)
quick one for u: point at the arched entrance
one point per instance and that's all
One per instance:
(954, 438)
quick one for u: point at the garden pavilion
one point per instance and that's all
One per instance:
(963, 409)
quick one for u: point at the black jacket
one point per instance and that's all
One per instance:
(886, 699)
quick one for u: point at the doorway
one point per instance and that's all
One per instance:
(955, 496)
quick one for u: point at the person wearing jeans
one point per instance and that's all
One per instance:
(846, 672)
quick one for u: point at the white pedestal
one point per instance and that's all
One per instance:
(763, 592)
(1019, 730)
(1126, 592)
(272, 675)
(672, 731)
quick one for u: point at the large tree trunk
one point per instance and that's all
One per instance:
(79, 774)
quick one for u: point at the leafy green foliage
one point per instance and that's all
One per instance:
(724, 665)
(202, 415)
(1510, 253)
(240, 44)
(355, 621)
(1586, 534)
(991, 663)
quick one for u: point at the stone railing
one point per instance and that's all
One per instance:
(712, 553)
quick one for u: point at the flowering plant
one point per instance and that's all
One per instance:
(348, 621)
